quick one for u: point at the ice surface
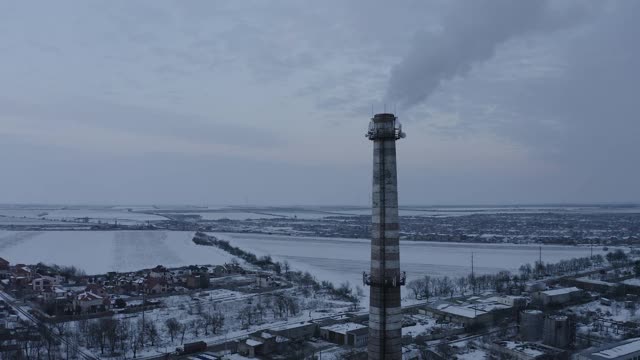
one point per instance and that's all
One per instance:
(338, 260)
(103, 251)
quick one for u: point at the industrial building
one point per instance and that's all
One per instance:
(531, 325)
(483, 313)
(624, 350)
(526, 351)
(557, 296)
(346, 334)
(559, 331)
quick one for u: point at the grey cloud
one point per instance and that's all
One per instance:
(141, 120)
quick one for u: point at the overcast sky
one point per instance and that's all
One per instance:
(267, 102)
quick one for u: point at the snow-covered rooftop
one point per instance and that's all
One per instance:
(586, 279)
(343, 328)
(463, 311)
(628, 347)
(632, 282)
(562, 291)
(252, 342)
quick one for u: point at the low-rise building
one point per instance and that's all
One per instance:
(624, 350)
(346, 334)
(4, 264)
(480, 313)
(632, 286)
(262, 343)
(155, 285)
(558, 296)
(42, 283)
(526, 351)
(594, 284)
(512, 301)
(88, 302)
(295, 332)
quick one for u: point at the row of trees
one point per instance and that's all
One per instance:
(563, 267)
(505, 281)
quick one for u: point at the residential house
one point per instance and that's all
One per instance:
(23, 271)
(4, 265)
(159, 272)
(197, 280)
(155, 285)
(88, 302)
(43, 283)
(97, 289)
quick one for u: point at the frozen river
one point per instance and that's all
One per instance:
(338, 259)
(331, 259)
(99, 252)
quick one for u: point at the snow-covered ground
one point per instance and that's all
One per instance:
(104, 251)
(232, 215)
(340, 260)
(38, 214)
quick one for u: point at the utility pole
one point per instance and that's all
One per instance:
(540, 256)
(473, 276)
(144, 303)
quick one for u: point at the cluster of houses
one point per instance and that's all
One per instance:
(91, 294)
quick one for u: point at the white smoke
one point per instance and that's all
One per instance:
(469, 34)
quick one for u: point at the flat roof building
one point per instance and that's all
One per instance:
(624, 350)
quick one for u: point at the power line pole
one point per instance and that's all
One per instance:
(473, 276)
(144, 302)
(540, 256)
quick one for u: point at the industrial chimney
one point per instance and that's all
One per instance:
(385, 279)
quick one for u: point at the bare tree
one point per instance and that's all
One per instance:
(183, 330)
(173, 327)
(417, 287)
(151, 332)
(195, 326)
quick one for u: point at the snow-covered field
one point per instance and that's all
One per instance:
(232, 215)
(103, 251)
(45, 214)
(136, 214)
(339, 260)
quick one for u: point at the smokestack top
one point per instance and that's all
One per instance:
(385, 126)
(384, 117)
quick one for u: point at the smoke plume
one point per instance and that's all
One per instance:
(469, 34)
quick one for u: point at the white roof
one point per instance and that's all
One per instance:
(463, 311)
(621, 350)
(289, 326)
(252, 342)
(343, 328)
(632, 282)
(586, 279)
(561, 291)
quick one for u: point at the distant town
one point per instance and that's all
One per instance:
(587, 225)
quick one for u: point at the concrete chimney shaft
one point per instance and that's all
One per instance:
(385, 278)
